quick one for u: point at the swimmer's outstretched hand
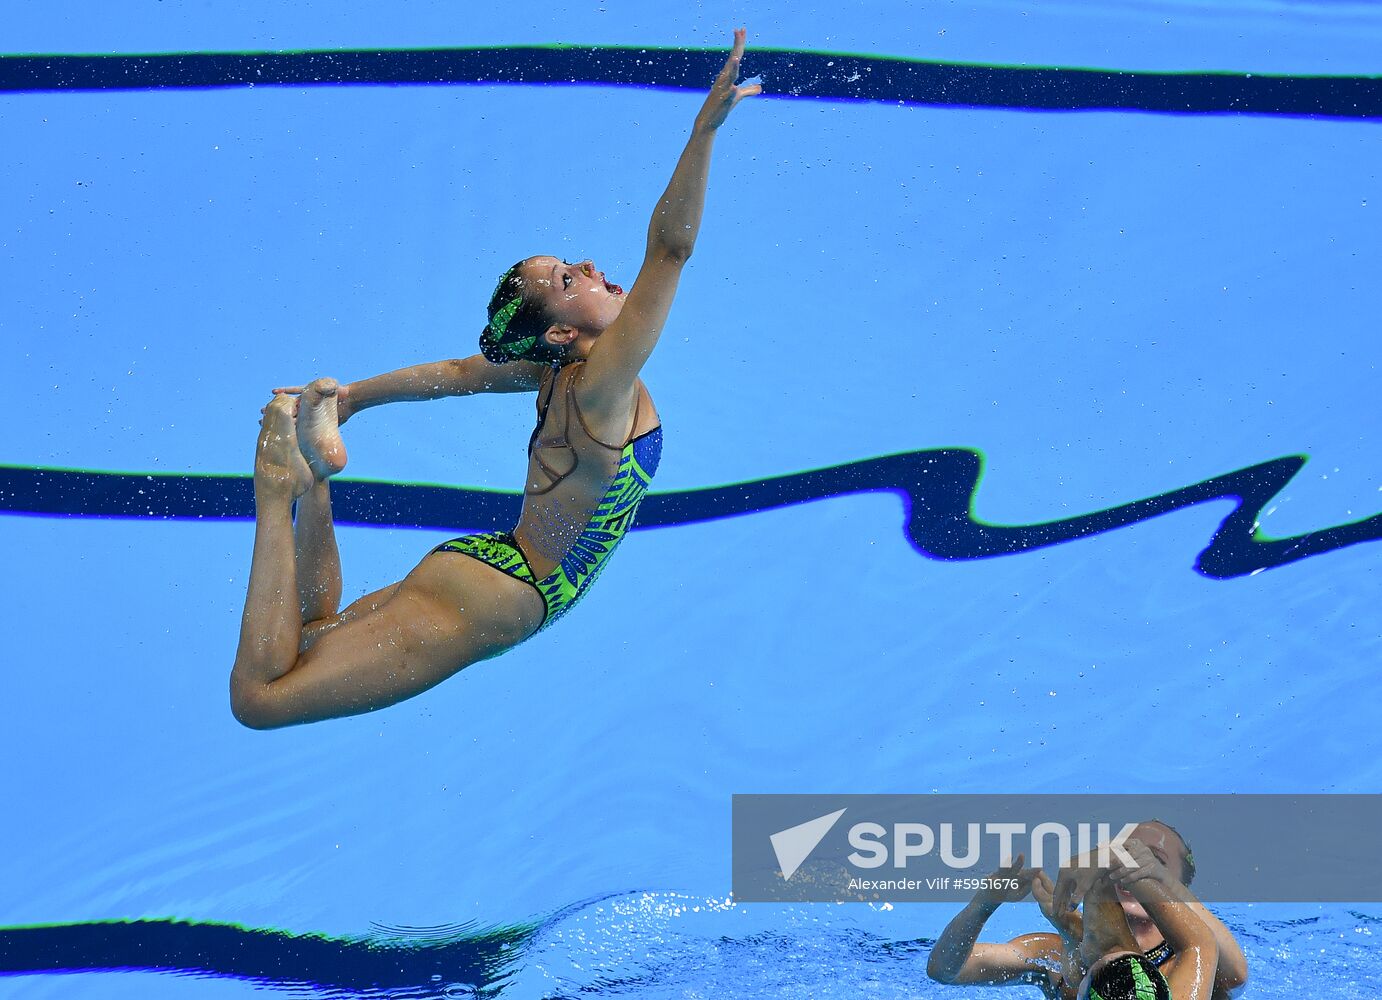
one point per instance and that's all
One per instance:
(725, 94)
(344, 409)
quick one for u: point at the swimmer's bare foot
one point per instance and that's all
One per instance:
(319, 433)
(279, 465)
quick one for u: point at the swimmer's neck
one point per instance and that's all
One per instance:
(1146, 932)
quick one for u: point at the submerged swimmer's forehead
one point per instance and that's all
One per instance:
(1165, 843)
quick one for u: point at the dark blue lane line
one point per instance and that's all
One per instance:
(330, 966)
(938, 488)
(786, 73)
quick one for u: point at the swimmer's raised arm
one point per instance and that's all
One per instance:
(1232, 971)
(434, 380)
(1191, 975)
(617, 358)
(1178, 913)
(1191, 971)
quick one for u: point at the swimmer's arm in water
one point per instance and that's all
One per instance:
(1231, 974)
(612, 370)
(959, 958)
(434, 380)
(1068, 924)
(1190, 972)
(1231, 969)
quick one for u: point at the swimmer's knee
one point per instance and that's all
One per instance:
(314, 630)
(252, 707)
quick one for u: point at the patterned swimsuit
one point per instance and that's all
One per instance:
(601, 534)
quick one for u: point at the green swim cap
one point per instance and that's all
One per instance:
(500, 341)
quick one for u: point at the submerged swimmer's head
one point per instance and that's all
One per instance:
(548, 310)
(1170, 848)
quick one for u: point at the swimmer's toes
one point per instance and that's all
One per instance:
(319, 433)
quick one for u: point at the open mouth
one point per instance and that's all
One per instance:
(613, 289)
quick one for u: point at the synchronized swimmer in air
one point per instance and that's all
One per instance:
(559, 329)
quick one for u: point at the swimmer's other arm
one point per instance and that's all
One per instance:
(1192, 971)
(959, 958)
(434, 380)
(1231, 974)
(1231, 970)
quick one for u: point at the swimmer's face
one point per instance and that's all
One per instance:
(574, 295)
(1163, 842)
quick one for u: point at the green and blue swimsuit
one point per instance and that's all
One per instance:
(597, 540)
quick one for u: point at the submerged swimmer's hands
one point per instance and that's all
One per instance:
(725, 93)
(1145, 865)
(1067, 923)
(1078, 878)
(1075, 881)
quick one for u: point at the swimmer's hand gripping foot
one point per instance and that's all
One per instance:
(321, 407)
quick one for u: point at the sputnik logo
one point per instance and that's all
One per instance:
(795, 844)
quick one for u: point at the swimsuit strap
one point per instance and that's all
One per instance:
(575, 404)
(543, 405)
(1159, 954)
(561, 442)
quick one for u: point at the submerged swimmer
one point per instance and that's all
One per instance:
(559, 329)
(1052, 961)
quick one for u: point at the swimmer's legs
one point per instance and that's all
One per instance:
(450, 612)
(318, 559)
(271, 627)
(319, 570)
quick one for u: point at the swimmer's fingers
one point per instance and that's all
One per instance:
(1014, 870)
(344, 407)
(1125, 876)
(1065, 888)
(1044, 892)
(730, 72)
(287, 390)
(1072, 886)
(725, 93)
(1144, 864)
